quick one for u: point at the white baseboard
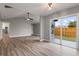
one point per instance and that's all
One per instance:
(43, 40)
(19, 36)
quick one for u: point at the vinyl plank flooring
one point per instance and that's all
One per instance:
(31, 46)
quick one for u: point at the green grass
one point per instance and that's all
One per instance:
(73, 39)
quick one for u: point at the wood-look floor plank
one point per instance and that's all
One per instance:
(25, 49)
(31, 46)
(16, 46)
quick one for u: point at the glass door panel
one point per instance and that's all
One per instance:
(69, 31)
(57, 31)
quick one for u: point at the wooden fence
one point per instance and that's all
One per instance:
(69, 32)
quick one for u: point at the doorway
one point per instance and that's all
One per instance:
(4, 28)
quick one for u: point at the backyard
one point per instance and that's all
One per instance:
(68, 32)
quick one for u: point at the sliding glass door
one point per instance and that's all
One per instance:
(64, 31)
(69, 31)
(56, 31)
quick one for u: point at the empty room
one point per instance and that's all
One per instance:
(39, 29)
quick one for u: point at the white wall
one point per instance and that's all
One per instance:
(18, 27)
(42, 27)
(0, 25)
(46, 29)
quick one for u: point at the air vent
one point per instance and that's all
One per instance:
(6, 6)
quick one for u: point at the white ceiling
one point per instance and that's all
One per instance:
(36, 9)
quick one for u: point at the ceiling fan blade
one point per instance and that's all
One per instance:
(7, 6)
(31, 18)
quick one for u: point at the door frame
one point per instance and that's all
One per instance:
(77, 28)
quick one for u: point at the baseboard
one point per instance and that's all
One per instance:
(44, 40)
(35, 34)
(19, 36)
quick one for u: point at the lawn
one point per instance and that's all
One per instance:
(73, 39)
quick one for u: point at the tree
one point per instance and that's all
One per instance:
(72, 24)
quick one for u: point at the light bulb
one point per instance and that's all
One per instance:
(28, 19)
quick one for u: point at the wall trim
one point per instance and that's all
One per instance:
(19, 36)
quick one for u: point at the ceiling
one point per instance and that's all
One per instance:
(36, 9)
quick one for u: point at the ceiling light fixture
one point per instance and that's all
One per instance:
(50, 5)
(28, 17)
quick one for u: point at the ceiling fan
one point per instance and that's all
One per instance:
(50, 5)
(28, 14)
(7, 6)
(28, 17)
